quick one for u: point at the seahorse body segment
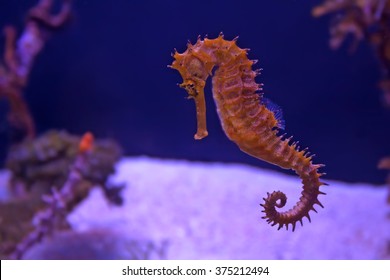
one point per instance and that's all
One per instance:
(246, 120)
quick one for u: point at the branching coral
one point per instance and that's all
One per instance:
(19, 56)
(56, 166)
(53, 216)
(363, 20)
(37, 165)
(40, 164)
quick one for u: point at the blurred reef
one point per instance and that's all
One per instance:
(362, 20)
(367, 20)
(52, 173)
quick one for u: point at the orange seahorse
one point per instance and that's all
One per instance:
(247, 119)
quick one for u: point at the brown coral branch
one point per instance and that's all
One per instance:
(9, 53)
(42, 13)
(19, 56)
(364, 20)
(329, 6)
(53, 216)
(19, 115)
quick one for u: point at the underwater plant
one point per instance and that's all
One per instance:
(362, 20)
(52, 173)
(248, 119)
(19, 56)
(38, 165)
(53, 216)
(40, 169)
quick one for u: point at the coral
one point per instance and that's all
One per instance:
(248, 119)
(363, 20)
(53, 216)
(52, 173)
(61, 168)
(15, 222)
(37, 165)
(19, 57)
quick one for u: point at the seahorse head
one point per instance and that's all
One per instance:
(190, 66)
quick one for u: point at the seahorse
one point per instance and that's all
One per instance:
(247, 119)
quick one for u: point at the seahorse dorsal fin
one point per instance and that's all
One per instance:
(276, 109)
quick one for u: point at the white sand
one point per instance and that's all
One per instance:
(211, 211)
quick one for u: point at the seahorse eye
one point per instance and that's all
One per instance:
(196, 68)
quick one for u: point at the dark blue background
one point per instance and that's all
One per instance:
(107, 73)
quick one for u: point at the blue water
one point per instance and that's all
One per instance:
(106, 72)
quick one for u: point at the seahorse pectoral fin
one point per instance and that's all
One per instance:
(277, 110)
(195, 91)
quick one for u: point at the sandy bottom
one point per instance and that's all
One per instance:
(185, 210)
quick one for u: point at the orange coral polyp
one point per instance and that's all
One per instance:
(86, 142)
